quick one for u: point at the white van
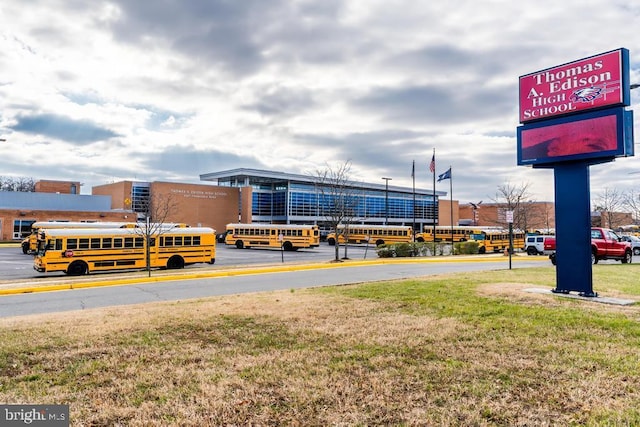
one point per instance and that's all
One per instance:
(534, 244)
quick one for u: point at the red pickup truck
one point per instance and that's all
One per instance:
(605, 244)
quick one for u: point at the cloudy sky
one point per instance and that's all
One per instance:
(105, 91)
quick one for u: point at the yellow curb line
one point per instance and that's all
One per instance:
(243, 272)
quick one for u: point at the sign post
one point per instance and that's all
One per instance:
(509, 215)
(366, 238)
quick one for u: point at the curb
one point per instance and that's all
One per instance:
(242, 272)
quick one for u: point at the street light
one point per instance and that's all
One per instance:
(386, 199)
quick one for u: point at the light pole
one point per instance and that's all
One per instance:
(386, 199)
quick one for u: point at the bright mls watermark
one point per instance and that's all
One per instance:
(34, 415)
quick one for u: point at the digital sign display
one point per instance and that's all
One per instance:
(600, 81)
(597, 134)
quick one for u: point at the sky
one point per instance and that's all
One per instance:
(106, 91)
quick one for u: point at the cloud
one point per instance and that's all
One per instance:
(281, 101)
(187, 163)
(62, 128)
(172, 89)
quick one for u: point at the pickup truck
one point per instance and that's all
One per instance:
(605, 244)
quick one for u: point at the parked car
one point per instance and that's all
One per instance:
(605, 244)
(635, 243)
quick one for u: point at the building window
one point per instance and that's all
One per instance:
(22, 228)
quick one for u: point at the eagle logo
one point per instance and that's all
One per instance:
(587, 94)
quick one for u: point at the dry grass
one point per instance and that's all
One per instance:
(445, 350)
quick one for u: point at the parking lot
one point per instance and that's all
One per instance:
(16, 265)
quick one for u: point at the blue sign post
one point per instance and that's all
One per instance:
(573, 218)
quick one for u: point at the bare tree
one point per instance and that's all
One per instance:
(339, 200)
(518, 199)
(22, 184)
(155, 211)
(608, 202)
(631, 201)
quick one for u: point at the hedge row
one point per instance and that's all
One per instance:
(425, 249)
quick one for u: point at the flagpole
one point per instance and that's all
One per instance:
(451, 204)
(413, 175)
(433, 169)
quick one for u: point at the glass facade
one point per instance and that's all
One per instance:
(140, 197)
(297, 199)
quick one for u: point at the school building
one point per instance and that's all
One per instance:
(238, 195)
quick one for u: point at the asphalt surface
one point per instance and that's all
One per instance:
(17, 274)
(241, 271)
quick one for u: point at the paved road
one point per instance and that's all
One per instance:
(236, 271)
(257, 279)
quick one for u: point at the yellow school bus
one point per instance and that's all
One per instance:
(81, 251)
(30, 243)
(443, 233)
(376, 234)
(289, 237)
(497, 240)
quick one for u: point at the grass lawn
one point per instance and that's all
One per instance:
(461, 349)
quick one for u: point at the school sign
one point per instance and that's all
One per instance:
(573, 116)
(586, 84)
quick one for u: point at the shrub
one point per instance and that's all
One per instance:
(465, 248)
(385, 251)
(403, 249)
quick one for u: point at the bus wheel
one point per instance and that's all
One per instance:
(331, 241)
(239, 244)
(77, 268)
(25, 248)
(175, 262)
(420, 239)
(213, 261)
(287, 246)
(482, 250)
(531, 250)
(379, 242)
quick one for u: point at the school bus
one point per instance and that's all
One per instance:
(29, 244)
(378, 234)
(461, 233)
(497, 240)
(443, 233)
(81, 251)
(289, 237)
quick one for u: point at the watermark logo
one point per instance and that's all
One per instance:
(34, 415)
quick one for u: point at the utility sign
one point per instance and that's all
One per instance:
(509, 215)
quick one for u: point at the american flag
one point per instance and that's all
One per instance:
(432, 165)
